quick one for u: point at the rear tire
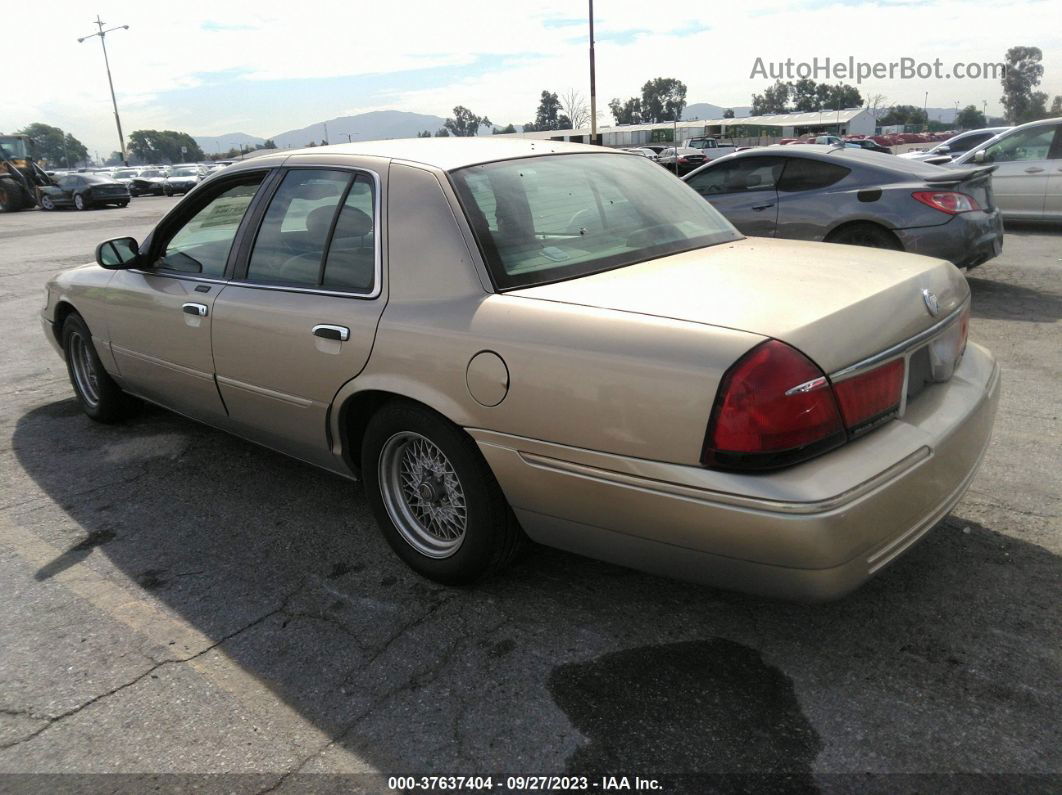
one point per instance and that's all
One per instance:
(100, 397)
(865, 234)
(434, 497)
(122, 204)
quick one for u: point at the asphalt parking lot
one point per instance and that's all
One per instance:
(176, 601)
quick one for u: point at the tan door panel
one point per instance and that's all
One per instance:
(276, 375)
(160, 337)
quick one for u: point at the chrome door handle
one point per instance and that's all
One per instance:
(1033, 170)
(194, 309)
(340, 333)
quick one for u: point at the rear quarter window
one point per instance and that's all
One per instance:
(805, 174)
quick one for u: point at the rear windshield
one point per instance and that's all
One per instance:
(555, 217)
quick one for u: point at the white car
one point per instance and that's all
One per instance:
(953, 147)
(1027, 182)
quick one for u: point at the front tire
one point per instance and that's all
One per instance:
(80, 203)
(100, 397)
(47, 203)
(434, 497)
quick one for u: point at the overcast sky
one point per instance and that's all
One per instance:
(261, 67)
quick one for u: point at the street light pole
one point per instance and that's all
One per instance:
(103, 42)
(593, 81)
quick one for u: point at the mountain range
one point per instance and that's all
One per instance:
(383, 124)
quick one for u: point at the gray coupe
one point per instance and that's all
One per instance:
(841, 195)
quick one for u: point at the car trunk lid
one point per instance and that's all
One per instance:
(838, 304)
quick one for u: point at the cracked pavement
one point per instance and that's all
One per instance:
(177, 601)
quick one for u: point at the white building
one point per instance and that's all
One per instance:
(853, 121)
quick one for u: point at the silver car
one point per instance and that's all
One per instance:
(955, 146)
(1027, 182)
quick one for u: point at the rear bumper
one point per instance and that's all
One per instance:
(966, 240)
(779, 535)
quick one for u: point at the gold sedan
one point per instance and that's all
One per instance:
(510, 337)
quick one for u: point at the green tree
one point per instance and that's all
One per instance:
(54, 146)
(908, 115)
(549, 116)
(425, 134)
(1024, 71)
(164, 146)
(464, 123)
(442, 132)
(808, 96)
(663, 99)
(1056, 107)
(629, 112)
(728, 113)
(115, 159)
(269, 144)
(508, 128)
(774, 99)
(970, 118)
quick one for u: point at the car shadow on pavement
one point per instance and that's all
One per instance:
(945, 662)
(997, 299)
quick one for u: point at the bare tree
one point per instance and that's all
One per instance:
(876, 104)
(574, 107)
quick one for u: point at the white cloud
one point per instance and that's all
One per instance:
(170, 47)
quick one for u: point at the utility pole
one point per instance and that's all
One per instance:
(325, 124)
(593, 81)
(925, 110)
(103, 43)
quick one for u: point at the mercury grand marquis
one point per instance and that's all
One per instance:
(508, 339)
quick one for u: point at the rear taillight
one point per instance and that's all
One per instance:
(774, 408)
(870, 398)
(949, 202)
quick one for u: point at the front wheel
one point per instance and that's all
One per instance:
(47, 203)
(100, 397)
(122, 204)
(79, 202)
(434, 497)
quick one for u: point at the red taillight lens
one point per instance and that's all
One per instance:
(869, 398)
(774, 408)
(948, 202)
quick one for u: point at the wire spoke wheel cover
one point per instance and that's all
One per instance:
(422, 494)
(85, 376)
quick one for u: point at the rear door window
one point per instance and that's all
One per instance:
(319, 231)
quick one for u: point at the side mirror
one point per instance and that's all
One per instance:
(943, 148)
(980, 157)
(118, 254)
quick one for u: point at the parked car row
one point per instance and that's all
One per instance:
(88, 189)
